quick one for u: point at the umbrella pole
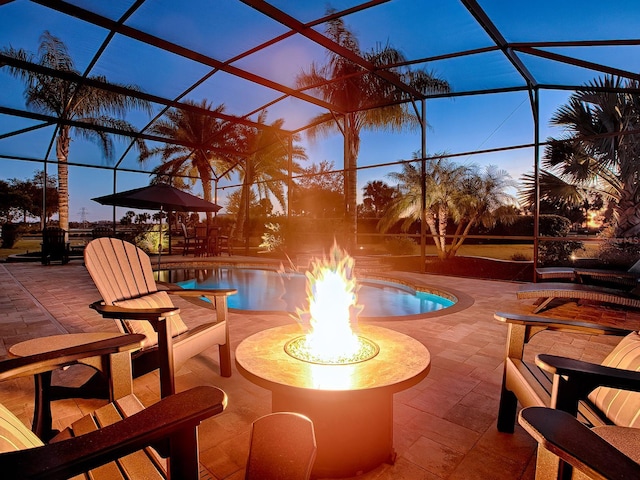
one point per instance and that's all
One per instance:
(160, 241)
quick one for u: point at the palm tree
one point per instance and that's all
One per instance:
(376, 195)
(72, 101)
(266, 165)
(464, 194)
(201, 161)
(599, 154)
(345, 84)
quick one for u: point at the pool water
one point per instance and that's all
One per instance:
(270, 291)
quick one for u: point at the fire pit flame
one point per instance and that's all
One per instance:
(299, 348)
(332, 315)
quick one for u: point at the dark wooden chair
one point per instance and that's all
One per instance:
(201, 240)
(217, 243)
(566, 446)
(190, 244)
(131, 441)
(282, 447)
(111, 361)
(584, 416)
(224, 245)
(55, 246)
(102, 231)
(588, 391)
(130, 296)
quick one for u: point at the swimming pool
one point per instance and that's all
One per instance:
(262, 290)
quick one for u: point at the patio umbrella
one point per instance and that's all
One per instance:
(158, 197)
(161, 197)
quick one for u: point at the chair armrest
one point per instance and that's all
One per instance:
(44, 362)
(590, 375)
(212, 292)
(155, 423)
(575, 444)
(560, 324)
(117, 312)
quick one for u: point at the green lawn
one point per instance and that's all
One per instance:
(501, 252)
(21, 246)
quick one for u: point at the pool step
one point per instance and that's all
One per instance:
(370, 264)
(363, 265)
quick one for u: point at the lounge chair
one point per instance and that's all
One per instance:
(549, 291)
(588, 275)
(120, 448)
(102, 231)
(55, 246)
(282, 447)
(602, 452)
(124, 277)
(567, 384)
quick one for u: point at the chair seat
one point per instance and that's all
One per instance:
(144, 463)
(625, 439)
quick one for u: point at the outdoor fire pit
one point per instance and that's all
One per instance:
(351, 404)
(341, 375)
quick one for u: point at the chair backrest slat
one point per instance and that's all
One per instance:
(282, 446)
(119, 269)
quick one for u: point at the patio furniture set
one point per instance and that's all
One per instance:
(202, 240)
(585, 417)
(124, 439)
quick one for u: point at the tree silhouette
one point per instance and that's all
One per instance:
(72, 101)
(357, 93)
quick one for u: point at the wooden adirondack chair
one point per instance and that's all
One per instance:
(124, 277)
(565, 383)
(116, 440)
(567, 448)
(54, 245)
(562, 396)
(282, 447)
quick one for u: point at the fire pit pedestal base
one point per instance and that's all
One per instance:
(351, 405)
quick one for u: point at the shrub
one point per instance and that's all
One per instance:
(400, 245)
(520, 257)
(11, 233)
(620, 253)
(273, 239)
(556, 253)
(148, 238)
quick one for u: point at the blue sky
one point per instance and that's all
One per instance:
(418, 28)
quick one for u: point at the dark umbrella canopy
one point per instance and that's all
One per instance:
(158, 197)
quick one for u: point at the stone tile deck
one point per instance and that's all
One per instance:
(444, 427)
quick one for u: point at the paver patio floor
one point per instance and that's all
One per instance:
(444, 427)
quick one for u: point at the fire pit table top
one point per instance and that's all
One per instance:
(401, 363)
